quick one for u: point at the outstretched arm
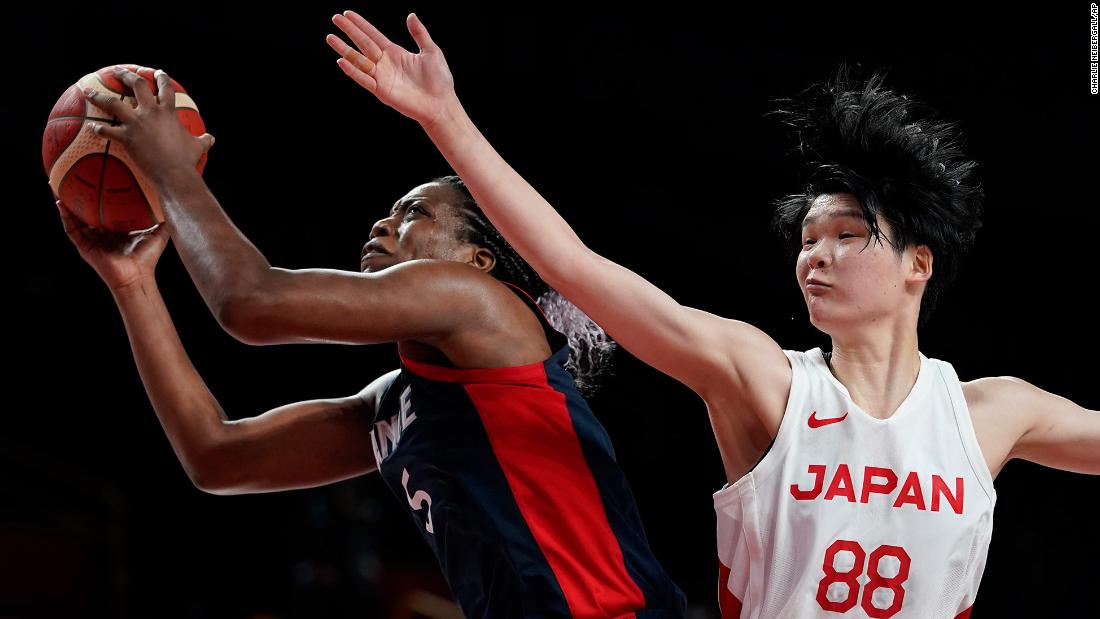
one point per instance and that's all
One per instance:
(296, 446)
(699, 349)
(1039, 426)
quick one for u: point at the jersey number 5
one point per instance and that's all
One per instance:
(876, 580)
(418, 499)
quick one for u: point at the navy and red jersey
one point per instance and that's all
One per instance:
(514, 484)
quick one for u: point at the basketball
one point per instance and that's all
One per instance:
(93, 175)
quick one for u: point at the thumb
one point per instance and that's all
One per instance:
(207, 141)
(160, 230)
(419, 32)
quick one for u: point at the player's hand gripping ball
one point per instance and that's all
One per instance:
(95, 176)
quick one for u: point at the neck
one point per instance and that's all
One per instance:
(879, 369)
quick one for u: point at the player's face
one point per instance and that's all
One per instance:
(845, 280)
(422, 224)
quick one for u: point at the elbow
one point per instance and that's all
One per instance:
(209, 473)
(238, 315)
(207, 484)
(558, 273)
(213, 480)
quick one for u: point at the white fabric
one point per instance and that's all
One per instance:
(774, 544)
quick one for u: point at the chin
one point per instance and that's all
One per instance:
(824, 318)
(377, 263)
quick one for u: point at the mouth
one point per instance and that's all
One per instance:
(370, 250)
(373, 249)
(817, 285)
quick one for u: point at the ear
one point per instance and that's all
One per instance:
(921, 264)
(482, 259)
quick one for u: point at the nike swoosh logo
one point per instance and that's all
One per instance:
(815, 422)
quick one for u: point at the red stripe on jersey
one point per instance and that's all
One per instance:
(727, 601)
(964, 614)
(532, 372)
(532, 436)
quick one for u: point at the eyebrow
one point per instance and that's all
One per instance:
(850, 212)
(404, 203)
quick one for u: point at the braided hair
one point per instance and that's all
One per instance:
(590, 348)
(897, 156)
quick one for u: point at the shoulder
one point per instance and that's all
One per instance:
(371, 395)
(997, 390)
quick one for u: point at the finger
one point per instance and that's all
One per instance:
(370, 48)
(419, 32)
(360, 77)
(79, 233)
(359, 61)
(111, 133)
(166, 91)
(66, 218)
(372, 32)
(110, 104)
(136, 83)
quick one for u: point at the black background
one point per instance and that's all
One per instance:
(645, 128)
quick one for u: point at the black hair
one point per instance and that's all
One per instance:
(590, 347)
(897, 156)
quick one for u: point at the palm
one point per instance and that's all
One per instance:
(119, 258)
(413, 84)
(417, 85)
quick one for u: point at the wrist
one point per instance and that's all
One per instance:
(451, 117)
(174, 177)
(136, 289)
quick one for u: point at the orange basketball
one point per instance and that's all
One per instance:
(93, 175)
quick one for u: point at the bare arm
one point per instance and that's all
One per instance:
(220, 260)
(344, 307)
(697, 348)
(1039, 426)
(295, 446)
(261, 304)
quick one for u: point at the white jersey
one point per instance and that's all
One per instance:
(852, 515)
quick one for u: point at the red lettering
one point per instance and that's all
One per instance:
(841, 485)
(806, 495)
(939, 487)
(871, 472)
(911, 493)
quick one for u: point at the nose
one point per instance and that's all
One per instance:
(382, 227)
(820, 255)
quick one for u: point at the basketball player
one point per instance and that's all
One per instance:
(860, 479)
(481, 434)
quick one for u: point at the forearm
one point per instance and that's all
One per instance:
(532, 226)
(223, 263)
(191, 417)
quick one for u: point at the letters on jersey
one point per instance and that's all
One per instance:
(853, 515)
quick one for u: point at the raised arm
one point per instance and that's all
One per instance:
(296, 446)
(699, 349)
(252, 300)
(1026, 422)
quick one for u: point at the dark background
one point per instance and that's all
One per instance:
(646, 128)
